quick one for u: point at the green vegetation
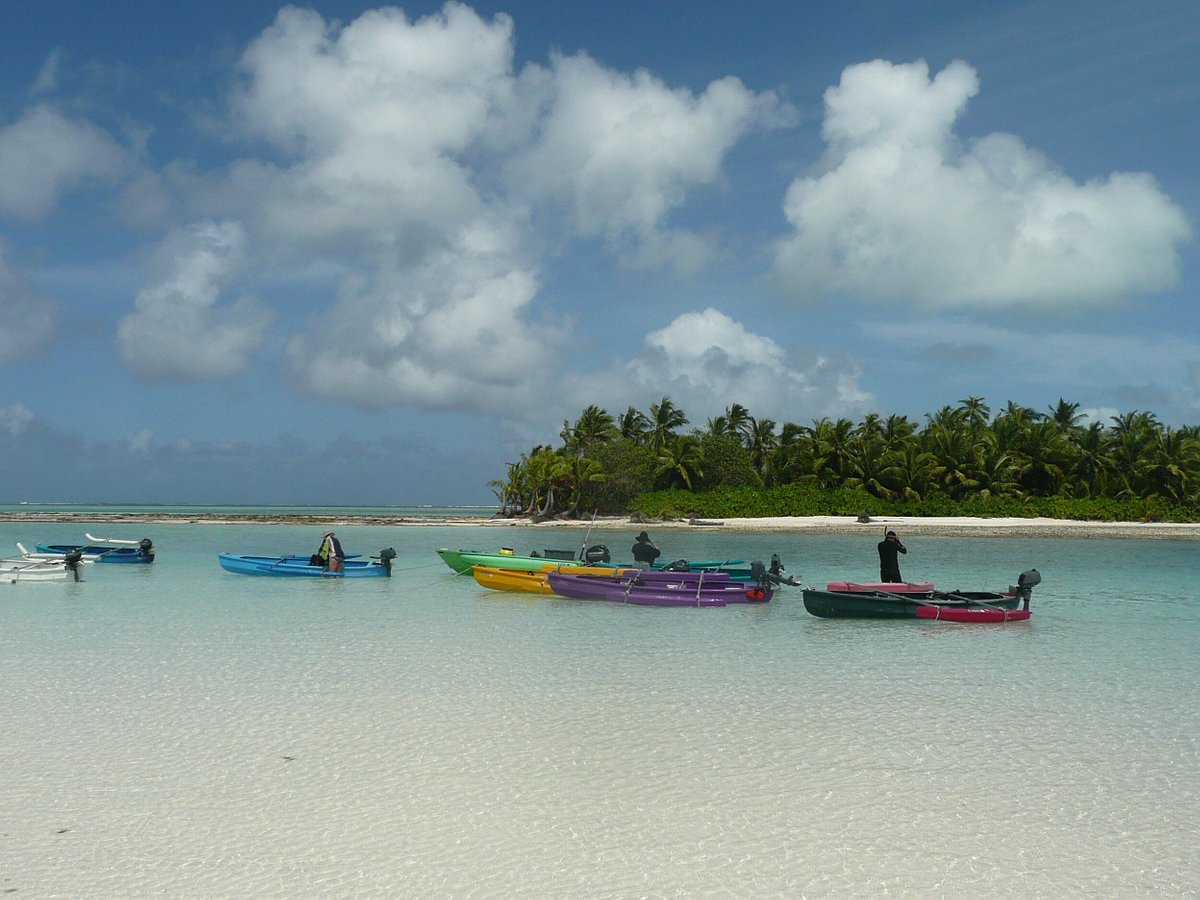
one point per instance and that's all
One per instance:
(962, 462)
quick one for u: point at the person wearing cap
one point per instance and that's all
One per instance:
(331, 553)
(645, 551)
(889, 558)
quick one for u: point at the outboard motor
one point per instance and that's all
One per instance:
(146, 549)
(597, 553)
(386, 557)
(778, 574)
(758, 572)
(1026, 582)
(680, 565)
(72, 560)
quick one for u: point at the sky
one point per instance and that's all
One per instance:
(349, 254)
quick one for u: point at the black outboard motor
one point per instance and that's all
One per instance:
(778, 574)
(758, 572)
(72, 560)
(680, 565)
(1026, 582)
(386, 557)
(146, 549)
(597, 553)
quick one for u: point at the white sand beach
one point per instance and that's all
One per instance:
(903, 525)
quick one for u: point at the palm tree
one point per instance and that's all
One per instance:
(634, 425)
(975, 412)
(954, 452)
(869, 467)
(1040, 458)
(581, 473)
(834, 440)
(741, 423)
(680, 458)
(665, 417)
(594, 426)
(1132, 436)
(897, 430)
(1065, 416)
(761, 441)
(1170, 461)
(994, 475)
(911, 471)
(1091, 462)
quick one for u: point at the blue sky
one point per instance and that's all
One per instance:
(355, 254)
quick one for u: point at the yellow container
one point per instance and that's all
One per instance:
(506, 551)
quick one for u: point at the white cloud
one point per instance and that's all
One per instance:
(446, 334)
(706, 360)
(902, 211)
(179, 329)
(389, 137)
(621, 152)
(26, 317)
(44, 154)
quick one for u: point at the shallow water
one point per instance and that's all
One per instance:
(174, 729)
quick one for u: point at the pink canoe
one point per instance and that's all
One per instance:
(889, 587)
(971, 614)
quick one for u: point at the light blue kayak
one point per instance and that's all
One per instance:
(242, 564)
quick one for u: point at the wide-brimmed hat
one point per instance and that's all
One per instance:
(329, 534)
(643, 537)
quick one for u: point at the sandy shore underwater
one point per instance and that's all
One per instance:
(903, 525)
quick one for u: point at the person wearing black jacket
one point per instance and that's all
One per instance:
(645, 551)
(889, 558)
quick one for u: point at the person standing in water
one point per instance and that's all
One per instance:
(890, 549)
(645, 551)
(331, 552)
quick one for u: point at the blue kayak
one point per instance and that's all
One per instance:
(142, 553)
(242, 564)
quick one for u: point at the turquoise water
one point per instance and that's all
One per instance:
(177, 730)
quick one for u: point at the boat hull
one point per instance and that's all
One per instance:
(298, 566)
(95, 553)
(975, 614)
(656, 593)
(17, 570)
(533, 582)
(461, 562)
(880, 605)
(537, 582)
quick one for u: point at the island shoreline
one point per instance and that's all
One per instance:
(834, 525)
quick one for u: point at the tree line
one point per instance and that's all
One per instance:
(960, 458)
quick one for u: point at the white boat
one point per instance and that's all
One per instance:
(34, 567)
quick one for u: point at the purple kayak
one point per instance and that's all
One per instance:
(643, 591)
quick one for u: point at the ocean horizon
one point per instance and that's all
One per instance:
(176, 729)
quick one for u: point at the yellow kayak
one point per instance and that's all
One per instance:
(534, 582)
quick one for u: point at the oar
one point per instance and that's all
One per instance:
(97, 540)
(966, 600)
(587, 534)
